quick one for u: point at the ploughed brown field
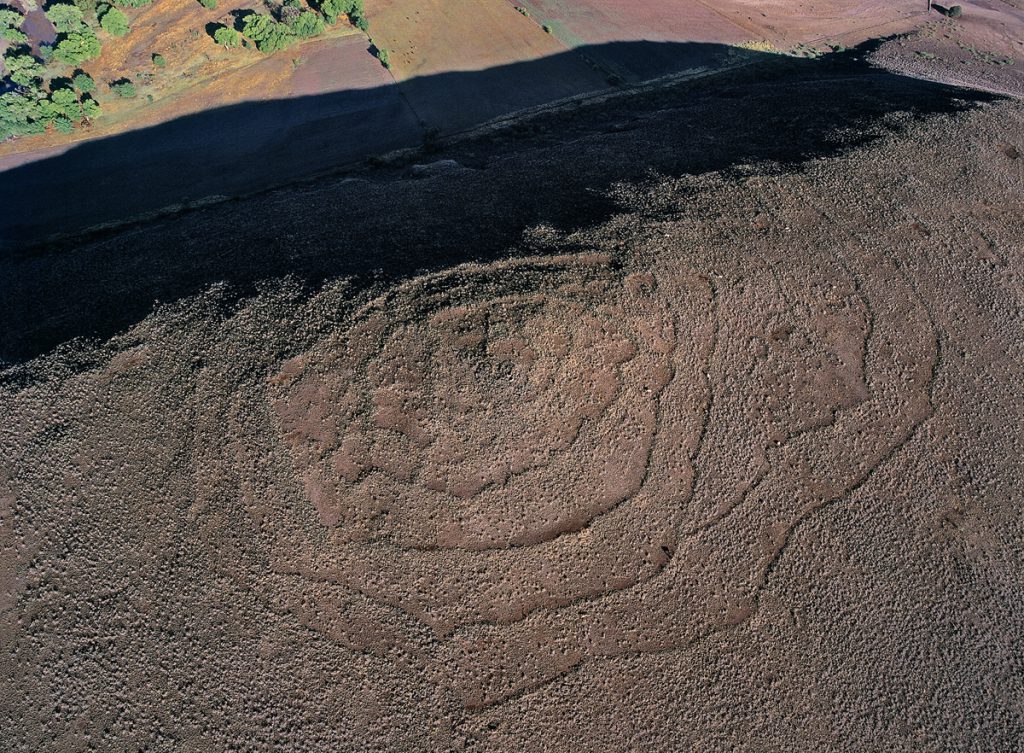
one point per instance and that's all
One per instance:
(685, 419)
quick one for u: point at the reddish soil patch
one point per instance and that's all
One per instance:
(38, 28)
(983, 48)
(331, 65)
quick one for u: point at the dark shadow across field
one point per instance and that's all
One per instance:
(251, 146)
(556, 169)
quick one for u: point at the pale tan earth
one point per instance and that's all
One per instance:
(735, 466)
(437, 36)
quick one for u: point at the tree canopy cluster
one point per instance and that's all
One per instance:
(269, 34)
(291, 22)
(76, 40)
(113, 21)
(32, 110)
(28, 105)
(10, 18)
(10, 25)
(124, 88)
(226, 37)
(354, 9)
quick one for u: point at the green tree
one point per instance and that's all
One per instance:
(77, 47)
(358, 15)
(211, 4)
(66, 18)
(10, 18)
(268, 34)
(308, 24)
(114, 22)
(331, 9)
(64, 125)
(64, 103)
(22, 68)
(334, 9)
(159, 60)
(14, 35)
(226, 37)
(20, 114)
(132, 3)
(83, 82)
(123, 88)
(91, 108)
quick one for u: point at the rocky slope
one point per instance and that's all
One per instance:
(687, 422)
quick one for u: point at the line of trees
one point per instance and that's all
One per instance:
(292, 22)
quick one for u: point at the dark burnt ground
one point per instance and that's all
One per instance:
(381, 223)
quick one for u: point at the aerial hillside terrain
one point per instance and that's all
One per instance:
(165, 116)
(672, 405)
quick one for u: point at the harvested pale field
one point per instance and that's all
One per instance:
(849, 21)
(637, 429)
(582, 22)
(780, 22)
(441, 36)
(334, 65)
(773, 25)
